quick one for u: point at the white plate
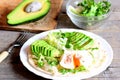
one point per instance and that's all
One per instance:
(84, 75)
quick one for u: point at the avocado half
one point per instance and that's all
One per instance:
(19, 15)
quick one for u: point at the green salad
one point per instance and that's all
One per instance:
(63, 51)
(91, 8)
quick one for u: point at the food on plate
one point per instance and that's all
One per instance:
(91, 8)
(29, 10)
(41, 46)
(65, 53)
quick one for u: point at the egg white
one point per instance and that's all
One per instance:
(84, 57)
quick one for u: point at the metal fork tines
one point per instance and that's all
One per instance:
(18, 42)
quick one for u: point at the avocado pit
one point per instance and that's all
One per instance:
(33, 7)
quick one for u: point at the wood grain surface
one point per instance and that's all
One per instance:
(13, 69)
(46, 23)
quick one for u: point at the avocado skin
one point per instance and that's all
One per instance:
(33, 20)
(14, 23)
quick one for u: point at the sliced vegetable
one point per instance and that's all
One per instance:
(42, 47)
(80, 41)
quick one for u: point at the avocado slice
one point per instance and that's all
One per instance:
(19, 15)
(45, 49)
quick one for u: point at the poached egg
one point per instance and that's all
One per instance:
(72, 59)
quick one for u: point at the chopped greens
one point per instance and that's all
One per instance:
(52, 61)
(41, 61)
(78, 69)
(91, 8)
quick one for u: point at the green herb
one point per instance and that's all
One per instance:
(41, 61)
(63, 71)
(40, 64)
(77, 69)
(96, 48)
(52, 61)
(92, 8)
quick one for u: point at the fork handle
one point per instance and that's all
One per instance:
(3, 55)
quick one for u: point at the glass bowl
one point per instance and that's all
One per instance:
(85, 22)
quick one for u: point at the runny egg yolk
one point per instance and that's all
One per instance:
(76, 61)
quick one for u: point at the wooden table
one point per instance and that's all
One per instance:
(13, 69)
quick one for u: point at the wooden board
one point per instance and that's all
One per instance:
(47, 23)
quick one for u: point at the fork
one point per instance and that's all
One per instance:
(18, 42)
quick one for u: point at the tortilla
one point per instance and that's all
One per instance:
(32, 62)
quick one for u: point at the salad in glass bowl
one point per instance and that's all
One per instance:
(88, 14)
